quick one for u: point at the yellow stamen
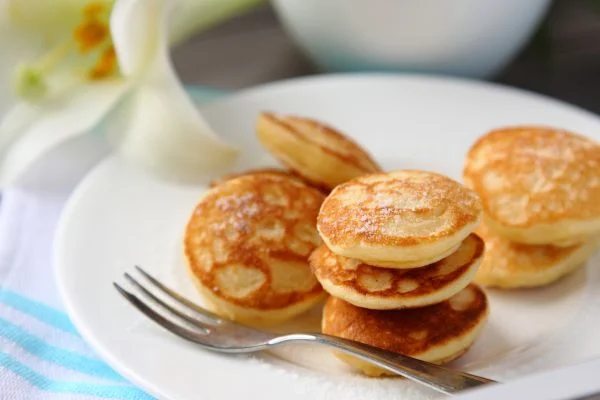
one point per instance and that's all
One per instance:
(106, 65)
(90, 35)
(90, 47)
(92, 31)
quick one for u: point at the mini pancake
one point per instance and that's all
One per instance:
(247, 245)
(438, 333)
(228, 177)
(538, 185)
(514, 265)
(386, 289)
(318, 153)
(401, 219)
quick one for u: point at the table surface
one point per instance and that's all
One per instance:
(563, 62)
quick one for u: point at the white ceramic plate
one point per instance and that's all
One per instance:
(119, 217)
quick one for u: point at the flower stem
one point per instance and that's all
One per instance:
(47, 62)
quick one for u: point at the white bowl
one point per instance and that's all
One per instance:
(474, 38)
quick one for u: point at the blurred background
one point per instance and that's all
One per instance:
(560, 59)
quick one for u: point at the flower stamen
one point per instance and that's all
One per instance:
(92, 31)
(29, 79)
(105, 66)
(89, 46)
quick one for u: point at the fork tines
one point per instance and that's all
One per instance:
(183, 317)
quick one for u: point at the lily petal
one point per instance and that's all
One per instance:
(134, 34)
(157, 125)
(29, 130)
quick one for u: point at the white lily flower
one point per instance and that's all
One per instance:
(72, 61)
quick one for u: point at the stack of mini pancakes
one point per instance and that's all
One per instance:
(399, 252)
(398, 258)
(540, 190)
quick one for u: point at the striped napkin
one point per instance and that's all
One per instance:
(42, 356)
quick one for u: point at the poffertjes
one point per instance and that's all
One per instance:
(438, 333)
(247, 245)
(537, 185)
(386, 288)
(402, 219)
(320, 154)
(508, 264)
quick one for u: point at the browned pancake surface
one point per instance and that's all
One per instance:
(314, 141)
(410, 331)
(517, 258)
(508, 264)
(396, 283)
(401, 208)
(530, 175)
(249, 239)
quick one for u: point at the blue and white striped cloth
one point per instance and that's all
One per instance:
(41, 354)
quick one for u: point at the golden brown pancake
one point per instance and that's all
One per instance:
(228, 177)
(386, 289)
(319, 153)
(538, 185)
(514, 265)
(438, 333)
(401, 219)
(247, 246)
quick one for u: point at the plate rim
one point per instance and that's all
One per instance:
(431, 78)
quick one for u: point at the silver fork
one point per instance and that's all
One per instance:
(215, 333)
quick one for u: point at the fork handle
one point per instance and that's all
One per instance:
(442, 379)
